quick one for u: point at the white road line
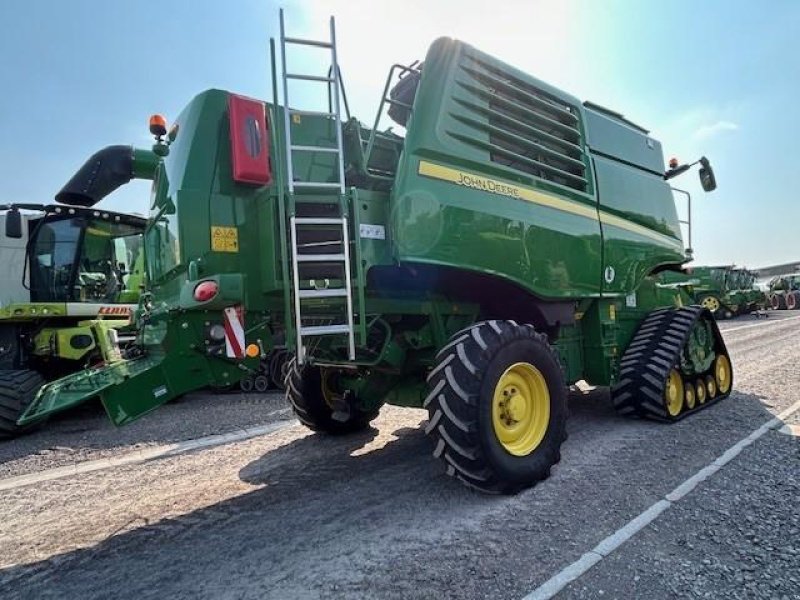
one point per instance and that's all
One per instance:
(140, 456)
(572, 572)
(762, 324)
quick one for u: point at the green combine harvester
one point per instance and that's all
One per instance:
(784, 292)
(70, 279)
(507, 245)
(744, 293)
(725, 291)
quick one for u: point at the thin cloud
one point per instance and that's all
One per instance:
(708, 131)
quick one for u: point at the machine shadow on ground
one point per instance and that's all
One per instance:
(87, 427)
(352, 490)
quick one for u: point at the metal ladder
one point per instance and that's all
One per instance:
(296, 223)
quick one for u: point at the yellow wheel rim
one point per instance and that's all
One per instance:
(690, 397)
(673, 393)
(700, 391)
(710, 303)
(521, 409)
(711, 386)
(327, 391)
(722, 373)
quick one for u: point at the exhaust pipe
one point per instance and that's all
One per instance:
(99, 176)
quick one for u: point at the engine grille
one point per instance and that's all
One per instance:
(520, 125)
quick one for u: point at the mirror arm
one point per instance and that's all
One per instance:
(676, 171)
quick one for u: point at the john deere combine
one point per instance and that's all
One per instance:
(725, 291)
(70, 279)
(506, 246)
(743, 292)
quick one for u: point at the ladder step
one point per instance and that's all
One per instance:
(325, 330)
(317, 184)
(302, 42)
(320, 258)
(327, 293)
(311, 113)
(309, 77)
(315, 149)
(317, 221)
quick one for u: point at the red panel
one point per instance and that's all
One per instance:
(249, 141)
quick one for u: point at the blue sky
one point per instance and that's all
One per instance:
(718, 78)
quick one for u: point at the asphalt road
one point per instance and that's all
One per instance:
(289, 514)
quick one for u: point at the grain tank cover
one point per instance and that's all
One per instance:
(609, 133)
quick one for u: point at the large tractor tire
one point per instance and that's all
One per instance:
(17, 390)
(497, 406)
(277, 368)
(778, 301)
(792, 301)
(318, 406)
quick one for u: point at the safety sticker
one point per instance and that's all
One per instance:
(372, 232)
(224, 239)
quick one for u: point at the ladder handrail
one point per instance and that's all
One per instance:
(286, 120)
(337, 120)
(280, 186)
(344, 93)
(384, 100)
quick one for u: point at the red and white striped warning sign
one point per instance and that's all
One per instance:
(234, 331)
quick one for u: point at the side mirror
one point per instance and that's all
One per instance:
(707, 179)
(14, 224)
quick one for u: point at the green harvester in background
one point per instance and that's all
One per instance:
(784, 292)
(726, 291)
(70, 280)
(744, 293)
(507, 244)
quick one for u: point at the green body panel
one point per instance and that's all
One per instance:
(506, 199)
(628, 223)
(32, 310)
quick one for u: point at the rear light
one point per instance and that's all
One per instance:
(216, 333)
(205, 291)
(249, 141)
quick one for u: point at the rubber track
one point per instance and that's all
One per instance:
(656, 349)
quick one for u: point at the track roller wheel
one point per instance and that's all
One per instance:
(318, 406)
(711, 387)
(261, 383)
(712, 303)
(700, 391)
(674, 393)
(17, 390)
(497, 406)
(722, 373)
(246, 385)
(690, 398)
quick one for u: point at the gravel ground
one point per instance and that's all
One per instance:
(86, 433)
(294, 515)
(737, 536)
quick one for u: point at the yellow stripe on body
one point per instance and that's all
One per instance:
(502, 188)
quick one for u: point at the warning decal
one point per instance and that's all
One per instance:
(224, 239)
(234, 332)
